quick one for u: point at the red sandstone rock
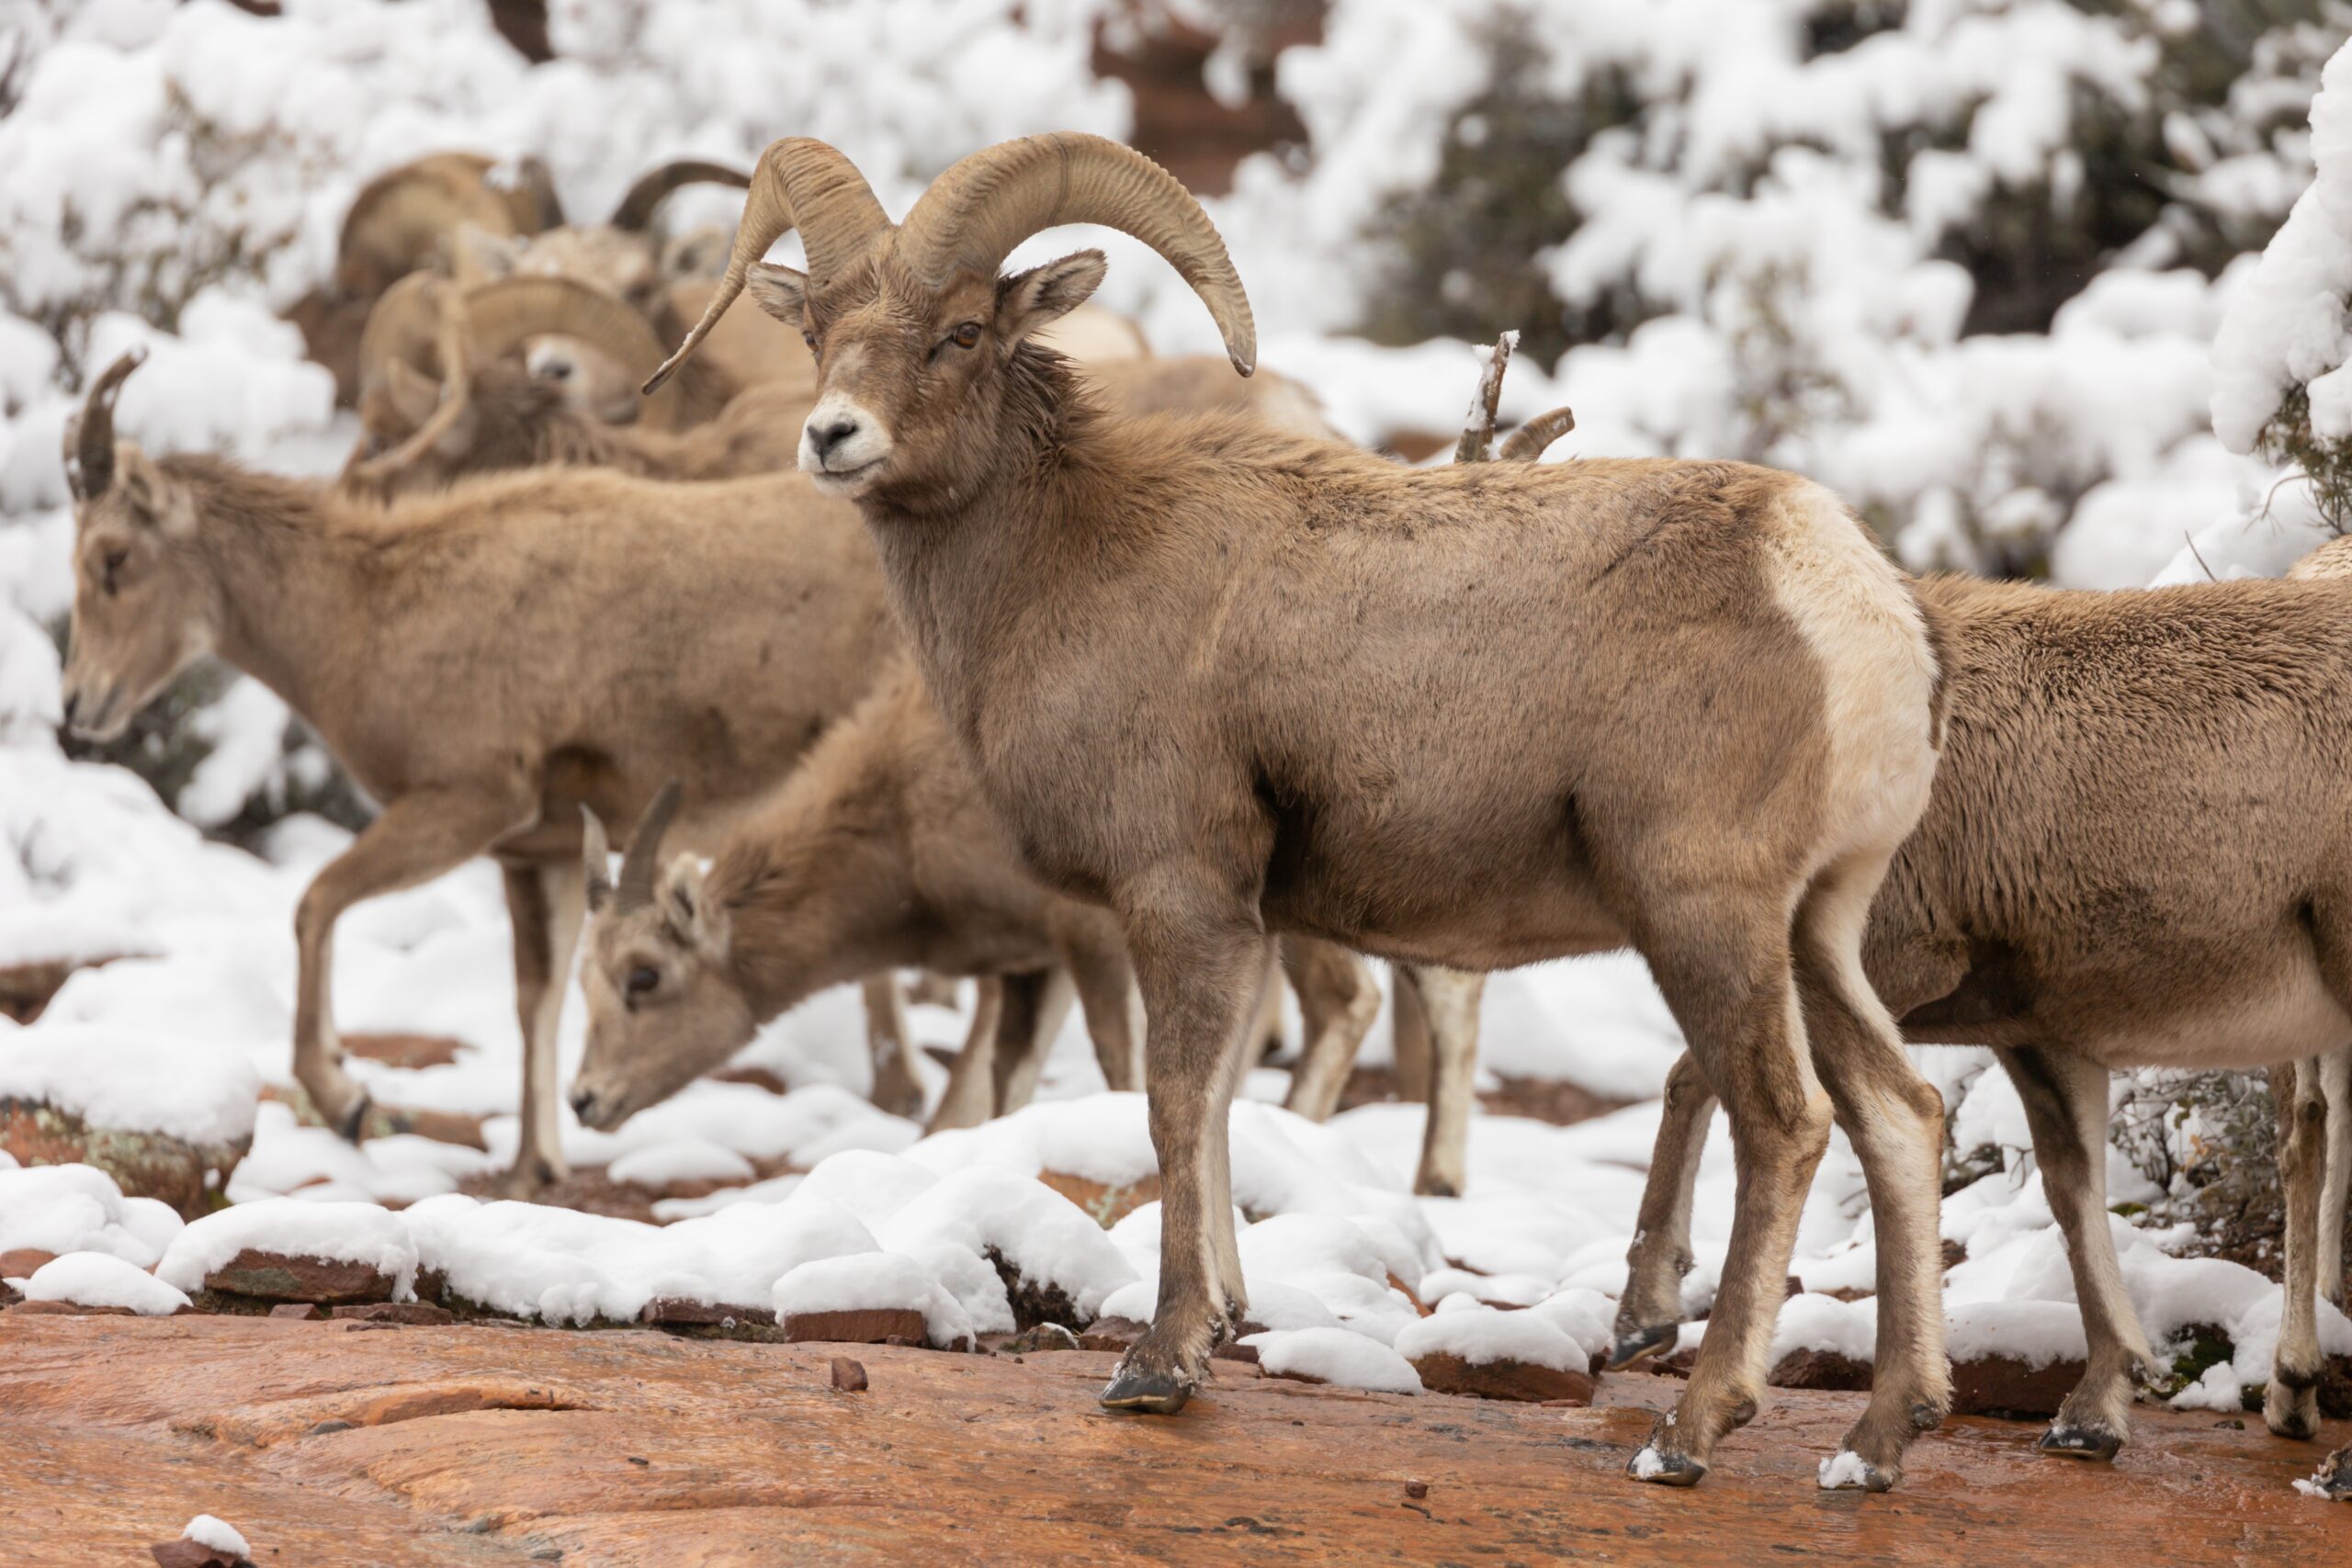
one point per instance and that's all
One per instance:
(1445, 1373)
(195, 1554)
(1106, 1206)
(849, 1376)
(2003, 1385)
(189, 1177)
(410, 1050)
(302, 1311)
(21, 1262)
(275, 1277)
(680, 1312)
(69, 1309)
(1111, 1333)
(417, 1314)
(1820, 1368)
(875, 1325)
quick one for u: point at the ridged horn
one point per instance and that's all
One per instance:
(974, 215)
(799, 182)
(455, 351)
(653, 188)
(643, 857)
(403, 325)
(89, 440)
(509, 312)
(1527, 443)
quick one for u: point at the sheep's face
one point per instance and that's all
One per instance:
(913, 383)
(663, 1008)
(142, 609)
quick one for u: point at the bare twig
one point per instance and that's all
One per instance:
(2199, 556)
(1478, 424)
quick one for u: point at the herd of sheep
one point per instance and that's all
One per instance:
(941, 626)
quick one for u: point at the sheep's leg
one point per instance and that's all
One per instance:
(2290, 1406)
(970, 1096)
(546, 905)
(1113, 1007)
(896, 1087)
(1725, 968)
(932, 988)
(1338, 1000)
(1895, 1121)
(2333, 1478)
(1200, 970)
(2336, 1191)
(1034, 1006)
(418, 836)
(1264, 1041)
(1650, 1314)
(2065, 1101)
(1449, 1002)
(1409, 1030)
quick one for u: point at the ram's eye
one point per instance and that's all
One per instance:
(810, 339)
(642, 980)
(113, 564)
(966, 335)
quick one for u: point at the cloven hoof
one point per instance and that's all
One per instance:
(2080, 1442)
(354, 1119)
(1146, 1393)
(1665, 1470)
(1633, 1346)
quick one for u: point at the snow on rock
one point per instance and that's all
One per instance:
(1586, 1316)
(1060, 1259)
(1334, 1355)
(1488, 1334)
(133, 1081)
(359, 1233)
(100, 1278)
(879, 1281)
(2038, 1334)
(77, 1208)
(220, 1535)
(869, 1184)
(1810, 1321)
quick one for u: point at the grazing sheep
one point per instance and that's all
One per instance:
(1228, 681)
(482, 662)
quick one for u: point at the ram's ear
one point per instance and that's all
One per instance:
(155, 497)
(686, 908)
(781, 292)
(1028, 300)
(596, 860)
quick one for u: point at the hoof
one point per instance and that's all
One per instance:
(1665, 1470)
(1850, 1471)
(1146, 1393)
(2296, 1426)
(2080, 1442)
(354, 1119)
(1634, 1344)
(2334, 1482)
(1437, 1187)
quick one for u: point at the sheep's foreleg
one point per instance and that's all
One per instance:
(1449, 1002)
(891, 1044)
(1650, 1314)
(2290, 1406)
(546, 905)
(1338, 1001)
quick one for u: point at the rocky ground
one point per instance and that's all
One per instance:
(338, 1442)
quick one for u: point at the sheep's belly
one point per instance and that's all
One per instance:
(2243, 1021)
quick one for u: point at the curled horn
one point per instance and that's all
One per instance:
(509, 312)
(1527, 443)
(89, 441)
(974, 215)
(653, 188)
(454, 350)
(402, 325)
(639, 861)
(798, 182)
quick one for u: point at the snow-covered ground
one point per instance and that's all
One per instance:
(177, 175)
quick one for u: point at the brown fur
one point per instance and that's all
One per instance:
(2129, 859)
(484, 663)
(1225, 681)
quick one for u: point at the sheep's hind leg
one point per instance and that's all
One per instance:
(2065, 1104)
(1449, 999)
(546, 905)
(2290, 1405)
(1338, 1000)
(890, 1042)
(1723, 962)
(1200, 968)
(1650, 1314)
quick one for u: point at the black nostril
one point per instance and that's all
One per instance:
(835, 434)
(580, 1100)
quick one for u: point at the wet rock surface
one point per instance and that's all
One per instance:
(471, 1446)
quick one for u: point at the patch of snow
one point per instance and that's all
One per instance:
(221, 1536)
(675, 1160)
(870, 1281)
(342, 1233)
(1488, 1336)
(1336, 1357)
(77, 1208)
(100, 1278)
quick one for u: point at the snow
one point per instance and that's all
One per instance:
(100, 1278)
(1484, 1334)
(1048, 1239)
(134, 1081)
(874, 1281)
(221, 1536)
(341, 1233)
(78, 1208)
(1845, 1469)
(674, 1160)
(1336, 1357)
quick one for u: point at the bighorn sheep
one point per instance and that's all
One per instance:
(878, 853)
(2126, 861)
(1228, 681)
(483, 664)
(399, 223)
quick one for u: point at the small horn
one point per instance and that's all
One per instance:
(798, 182)
(89, 440)
(642, 857)
(635, 213)
(596, 857)
(974, 215)
(403, 325)
(1528, 441)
